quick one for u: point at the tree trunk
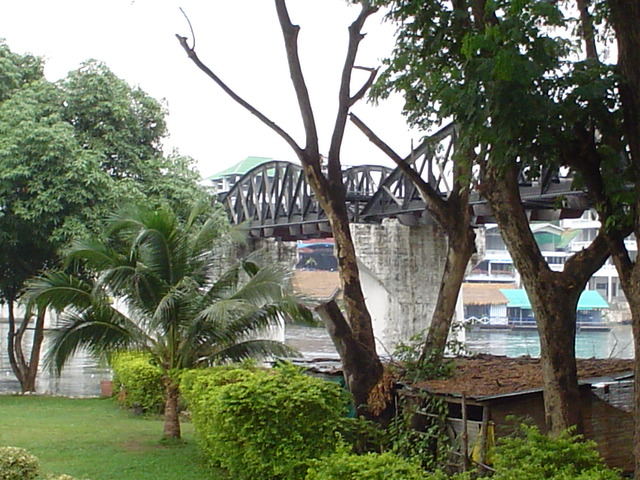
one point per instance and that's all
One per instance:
(355, 357)
(461, 245)
(11, 343)
(171, 414)
(553, 295)
(25, 372)
(634, 304)
(353, 336)
(34, 359)
(555, 310)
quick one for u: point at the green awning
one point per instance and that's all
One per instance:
(589, 299)
(516, 298)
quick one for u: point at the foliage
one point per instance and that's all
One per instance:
(70, 153)
(372, 466)
(413, 367)
(264, 423)
(531, 455)
(18, 464)
(138, 381)
(171, 304)
(419, 431)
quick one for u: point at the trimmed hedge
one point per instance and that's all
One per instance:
(263, 423)
(137, 381)
(18, 464)
(372, 466)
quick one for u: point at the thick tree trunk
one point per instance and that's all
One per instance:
(355, 357)
(634, 304)
(461, 245)
(555, 308)
(553, 295)
(353, 336)
(171, 414)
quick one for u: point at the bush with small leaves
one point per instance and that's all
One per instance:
(18, 464)
(263, 423)
(138, 381)
(371, 466)
(531, 455)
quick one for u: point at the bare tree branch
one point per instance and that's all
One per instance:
(373, 72)
(290, 34)
(436, 205)
(345, 101)
(193, 34)
(263, 118)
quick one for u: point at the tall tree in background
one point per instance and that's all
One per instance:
(69, 153)
(605, 148)
(352, 336)
(504, 74)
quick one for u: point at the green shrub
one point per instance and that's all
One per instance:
(530, 455)
(17, 464)
(138, 382)
(263, 423)
(371, 466)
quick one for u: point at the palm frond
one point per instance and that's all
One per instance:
(225, 284)
(100, 331)
(94, 254)
(265, 286)
(58, 290)
(260, 349)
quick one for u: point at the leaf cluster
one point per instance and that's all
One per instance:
(137, 381)
(529, 454)
(264, 423)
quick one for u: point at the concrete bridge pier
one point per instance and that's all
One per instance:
(400, 269)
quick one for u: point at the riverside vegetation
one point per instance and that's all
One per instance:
(250, 422)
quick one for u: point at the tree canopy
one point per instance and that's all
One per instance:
(71, 152)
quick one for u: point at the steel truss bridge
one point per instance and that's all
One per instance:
(275, 200)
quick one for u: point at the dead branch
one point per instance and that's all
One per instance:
(290, 34)
(435, 204)
(345, 100)
(373, 72)
(191, 53)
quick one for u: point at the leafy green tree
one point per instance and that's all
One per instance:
(511, 74)
(156, 291)
(70, 153)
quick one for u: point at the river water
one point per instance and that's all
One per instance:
(82, 376)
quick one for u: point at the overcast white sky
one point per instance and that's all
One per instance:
(241, 41)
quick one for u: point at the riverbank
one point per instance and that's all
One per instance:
(94, 439)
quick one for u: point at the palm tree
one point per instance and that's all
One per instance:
(153, 288)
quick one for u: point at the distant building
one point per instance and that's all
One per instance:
(224, 180)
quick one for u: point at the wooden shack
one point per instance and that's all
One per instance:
(494, 389)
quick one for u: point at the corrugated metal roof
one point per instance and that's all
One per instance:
(589, 299)
(242, 167)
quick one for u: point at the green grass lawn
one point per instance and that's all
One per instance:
(94, 439)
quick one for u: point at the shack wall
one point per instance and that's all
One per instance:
(610, 427)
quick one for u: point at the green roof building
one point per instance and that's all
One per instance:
(224, 180)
